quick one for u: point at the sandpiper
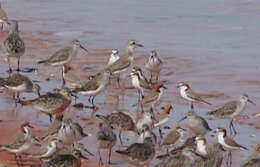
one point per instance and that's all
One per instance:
(13, 45)
(254, 159)
(154, 65)
(54, 127)
(121, 121)
(114, 56)
(228, 143)
(125, 61)
(19, 83)
(213, 159)
(139, 81)
(71, 79)
(188, 94)
(154, 96)
(231, 110)
(46, 151)
(70, 132)
(71, 148)
(51, 103)
(202, 146)
(3, 17)
(94, 86)
(175, 135)
(106, 139)
(162, 118)
(147, 118)
(64, 160)
(197, 124)
(20, 142)
(139, 154)
(64, 55)
(184, 157)
(147, 132)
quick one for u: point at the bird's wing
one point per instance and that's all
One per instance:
(120, 64)
(228, 109)
(145, 84)
(193, 95)
(60, 55)
(13, 43)
(233, 143)
(150, 98)
(90, 85)
(15, 80)
(171, 138)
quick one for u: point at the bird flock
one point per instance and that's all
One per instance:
(59, 146)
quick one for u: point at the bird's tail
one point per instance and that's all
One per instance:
(206, 102)
(122, 152)
(42, 61)
(24, 103)
(210, 112)
(102, 117)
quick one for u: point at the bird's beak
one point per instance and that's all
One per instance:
(164, 87)
(177, 86)
(139, 45)
(39, 94)
(183, 119)
(250, 101)
(30, 126)
(183, 129)
(83, 48)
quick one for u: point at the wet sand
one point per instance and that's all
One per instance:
(213, 45)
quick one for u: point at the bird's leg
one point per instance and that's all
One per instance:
(21, 161)
(160, 132)
(151, 77)
(50, 116)
(62, 74)
(9, 64)
(119, 135)
(227, 161)
(118, 80)
(233, 127)
(230, 158)
(191, 106)
(2, 26)
(100, 162)
(92, 101)
(18, 63)
(89, 99)
(15, 158)
(109, 155)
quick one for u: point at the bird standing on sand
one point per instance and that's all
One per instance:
(228, 143)
(154, 65)
(50, 103)
(231, 110)
(13, 45)
(188, 94)
(106, 139)
(254, 159)
(64, 55)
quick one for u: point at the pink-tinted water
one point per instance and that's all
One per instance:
(213, 45)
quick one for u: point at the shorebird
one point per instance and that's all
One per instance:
(162, 118)
(175, 135)
(54, 127)
(71, 148)
(51, 103)
(46, 151)
(64, 160)
(154, 96)
(254, 159)
(146, 133)
(121, 121)
(125, 61)
(139, 154)
(64, 55)
(231, 110)
(154, 65)
(13, 45)
(213, 159)
(188, 94)
(202, 146)
(3, 17)
(20, 142)
(197, 124)
(180, 158)
(94, 86)
(228, 143)
(70, 132)
(139, 81)
(114, 56)
(19, 83)
(147, 118)
(106, 140)
(71, 79)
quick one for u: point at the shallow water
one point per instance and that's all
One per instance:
(213, 45)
